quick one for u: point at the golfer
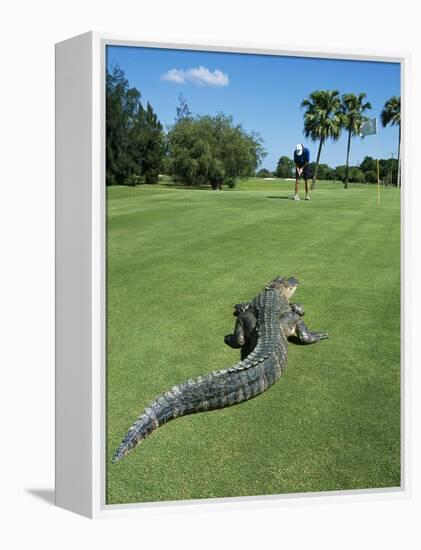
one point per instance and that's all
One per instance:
(302, 168)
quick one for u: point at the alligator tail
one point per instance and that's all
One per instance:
(164, 408)
(216, 390)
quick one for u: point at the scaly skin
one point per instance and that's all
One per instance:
(262, 328)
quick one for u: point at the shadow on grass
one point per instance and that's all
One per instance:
(47, 495)
(272, 197)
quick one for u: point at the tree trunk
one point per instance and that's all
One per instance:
(316, 168)
(398, 177)
(347, 160)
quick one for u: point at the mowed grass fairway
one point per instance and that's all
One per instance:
(177, 261)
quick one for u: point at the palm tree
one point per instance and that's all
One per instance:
(322, 120)
(391, 114)
(352, 110)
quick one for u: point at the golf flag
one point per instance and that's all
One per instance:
(369, 127)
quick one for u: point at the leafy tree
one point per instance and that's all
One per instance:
(389, 170)
(147, 145)
(263, 173)
(122, 103)
(212, 150)
(368, 164)
(322, 120)
(339, 172)
(391, 114)
(325, 172)
(285, 167)
(353, 173)
(135, 137)
(352, 110)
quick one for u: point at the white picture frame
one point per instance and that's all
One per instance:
(80, 272)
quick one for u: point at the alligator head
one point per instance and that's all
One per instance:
(285, 287)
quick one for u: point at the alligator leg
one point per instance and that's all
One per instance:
(291, 323)
(244, 335)
(237, 339)
(306, 336)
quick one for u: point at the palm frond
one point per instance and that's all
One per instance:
(391, 113)
(322, 118)
(352, 109)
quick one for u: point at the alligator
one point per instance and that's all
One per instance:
(261, 331)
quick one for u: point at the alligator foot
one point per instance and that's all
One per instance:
(297, 308)
(293, 325)
(306, 336)
(234, 341)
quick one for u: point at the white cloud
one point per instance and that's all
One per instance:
(174, 75)
(200, 76)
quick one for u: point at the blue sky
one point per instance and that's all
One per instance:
(262, 92)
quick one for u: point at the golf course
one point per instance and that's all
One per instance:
(178, 259)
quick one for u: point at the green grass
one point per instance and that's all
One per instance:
(177, 260)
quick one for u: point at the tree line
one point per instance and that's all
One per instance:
(366, 172)
(135, 144)
(195, 150)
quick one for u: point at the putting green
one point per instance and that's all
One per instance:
(177, 260)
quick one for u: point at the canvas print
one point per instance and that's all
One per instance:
(253, 274)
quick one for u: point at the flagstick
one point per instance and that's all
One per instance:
(378, 165)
